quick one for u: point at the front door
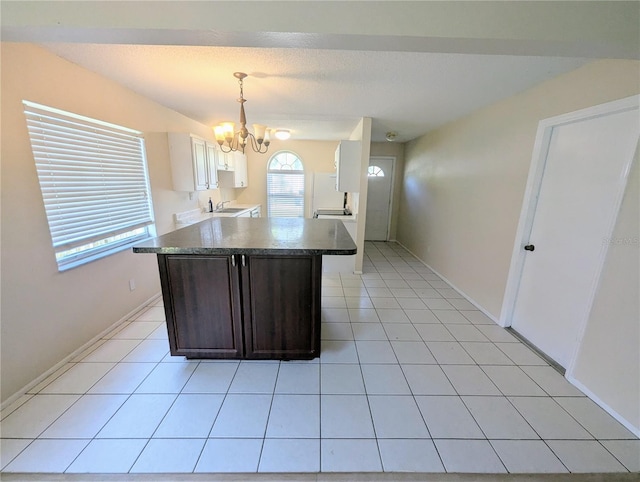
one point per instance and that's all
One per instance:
(584, 175)
(379, 199)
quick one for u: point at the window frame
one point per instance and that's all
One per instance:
(285, 172)
(94, 181)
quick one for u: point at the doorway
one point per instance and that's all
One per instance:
(380, 183)
(579, 171)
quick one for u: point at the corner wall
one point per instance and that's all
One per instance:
(464, 183)
(46, 315)
(361, 133)
(462, 195)
(607, 365)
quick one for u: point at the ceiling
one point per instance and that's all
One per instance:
(410, 66)
(317, 94)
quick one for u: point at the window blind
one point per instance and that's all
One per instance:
(93, 178)
(285, 191)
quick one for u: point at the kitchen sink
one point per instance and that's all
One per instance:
(230, 210)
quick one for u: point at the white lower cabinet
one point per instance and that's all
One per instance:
(342, 264)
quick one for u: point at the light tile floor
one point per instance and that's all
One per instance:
(412, 377)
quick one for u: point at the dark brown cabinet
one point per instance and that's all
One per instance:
(242, 306)
(202, 306)
(281, 298)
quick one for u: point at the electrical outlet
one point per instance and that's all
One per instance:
(132, 284)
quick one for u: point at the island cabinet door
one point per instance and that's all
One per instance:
(202, 305)
(281, 306)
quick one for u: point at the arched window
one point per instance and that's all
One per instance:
(375, 171)
(285, 186)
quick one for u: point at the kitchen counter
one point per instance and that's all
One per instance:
(187, 218)
(247, 288)
(234, 235)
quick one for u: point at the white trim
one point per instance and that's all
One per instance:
(23, 391)
(467, 297)
(628, 425)
(532, 190)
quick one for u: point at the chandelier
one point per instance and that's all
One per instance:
(231, 140)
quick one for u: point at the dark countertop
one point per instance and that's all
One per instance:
(255, 236)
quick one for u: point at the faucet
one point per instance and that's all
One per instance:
(220, 205)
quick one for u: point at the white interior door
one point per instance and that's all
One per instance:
(583, 179)
(379, 199)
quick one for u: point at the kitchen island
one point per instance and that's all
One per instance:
(246, 287)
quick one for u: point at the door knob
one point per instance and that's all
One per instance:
(529, 247)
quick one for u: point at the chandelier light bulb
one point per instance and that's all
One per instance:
(229, 139)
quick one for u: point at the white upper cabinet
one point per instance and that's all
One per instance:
(348, 166)
(238, 177)
(241, 173)
(193, 162)
(226, 161)
(212, 169)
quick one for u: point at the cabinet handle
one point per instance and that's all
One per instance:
(233, 260)
(243, 261)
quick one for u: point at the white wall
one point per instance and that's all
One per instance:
(46, 315)
(358, 201)
(316, 156)
(462, 195)
(464, 183)
(608, 360)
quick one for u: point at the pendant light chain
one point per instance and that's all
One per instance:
(231, 140)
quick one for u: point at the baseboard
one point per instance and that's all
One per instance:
(580, 386)
(467, 297)
(74, 354)
(634, 430)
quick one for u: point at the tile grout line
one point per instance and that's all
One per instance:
(266, 425)
(73, 363)
(398, 364)
(460, 396)
(366, 395)
(129, 395)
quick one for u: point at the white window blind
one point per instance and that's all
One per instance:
(285, 186)
(94, 183)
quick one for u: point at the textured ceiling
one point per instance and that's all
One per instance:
(317, 67)
(317, 94)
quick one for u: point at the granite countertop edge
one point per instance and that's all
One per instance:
(247, 251)
(254, 236)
